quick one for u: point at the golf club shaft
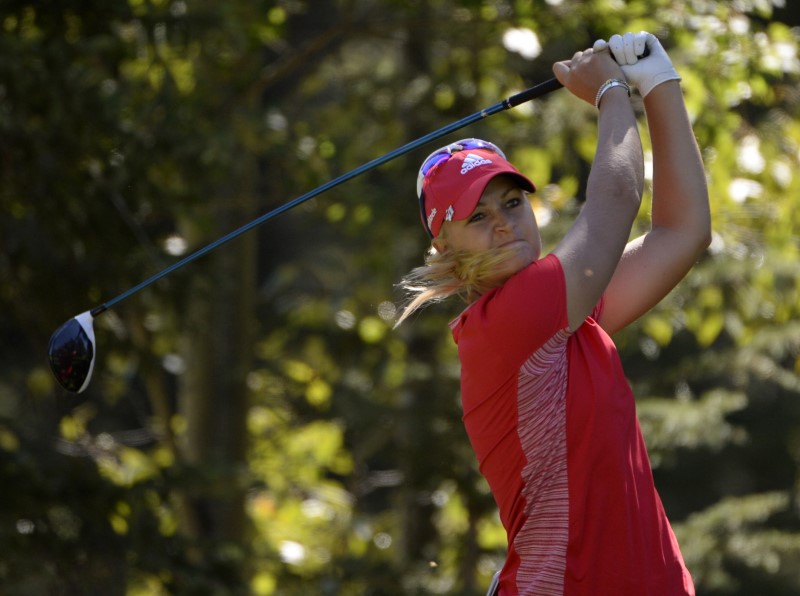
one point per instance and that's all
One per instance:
(510, 102)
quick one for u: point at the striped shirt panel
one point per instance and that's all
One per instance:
(541, 543)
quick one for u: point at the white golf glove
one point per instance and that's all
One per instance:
(645, 73)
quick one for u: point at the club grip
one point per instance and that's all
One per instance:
(544, 88)
(532, 93)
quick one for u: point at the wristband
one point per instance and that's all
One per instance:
(608, 85)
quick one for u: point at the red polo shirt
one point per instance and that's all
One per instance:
(552, 420)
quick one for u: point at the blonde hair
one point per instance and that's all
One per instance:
(467, 275)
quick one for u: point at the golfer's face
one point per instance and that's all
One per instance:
(502, 218)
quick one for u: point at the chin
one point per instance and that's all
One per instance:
(525, 257)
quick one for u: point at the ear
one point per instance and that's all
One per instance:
(440, 244)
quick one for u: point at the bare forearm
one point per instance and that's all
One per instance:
(616, 181)
(680, 194)
(617, 175)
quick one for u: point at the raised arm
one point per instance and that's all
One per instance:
(653, 264)
(591, 250)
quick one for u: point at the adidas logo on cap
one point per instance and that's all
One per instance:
(472, 161)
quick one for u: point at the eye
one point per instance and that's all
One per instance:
(476, 216)
(514, 202)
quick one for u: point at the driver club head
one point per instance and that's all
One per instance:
(72, 353)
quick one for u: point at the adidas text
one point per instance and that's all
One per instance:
(473, 161)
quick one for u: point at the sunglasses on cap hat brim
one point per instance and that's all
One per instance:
(441, 155)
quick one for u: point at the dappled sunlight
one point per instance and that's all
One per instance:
(256, 424)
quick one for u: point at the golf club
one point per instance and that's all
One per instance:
(72, 350)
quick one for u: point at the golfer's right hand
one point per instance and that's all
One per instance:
(586, 72)
(644, 73)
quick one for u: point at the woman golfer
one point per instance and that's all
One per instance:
(546, 404)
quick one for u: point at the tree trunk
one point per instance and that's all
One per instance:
(213, 397)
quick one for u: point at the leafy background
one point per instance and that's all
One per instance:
(255, 426)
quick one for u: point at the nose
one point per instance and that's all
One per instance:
(502, 222)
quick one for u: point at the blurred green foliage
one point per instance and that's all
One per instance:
(255, 425)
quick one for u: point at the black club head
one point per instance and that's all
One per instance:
(72, 353)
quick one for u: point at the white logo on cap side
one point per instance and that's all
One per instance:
(472, 161)
(431, 215)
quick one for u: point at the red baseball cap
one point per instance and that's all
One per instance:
(451, 188)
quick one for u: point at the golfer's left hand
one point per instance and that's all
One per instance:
(644, 73)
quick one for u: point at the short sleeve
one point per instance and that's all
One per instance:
(505, 326)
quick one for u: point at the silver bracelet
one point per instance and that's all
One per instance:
(608, 85)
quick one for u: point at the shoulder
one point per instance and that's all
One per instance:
(541, 281)
(517, 317)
